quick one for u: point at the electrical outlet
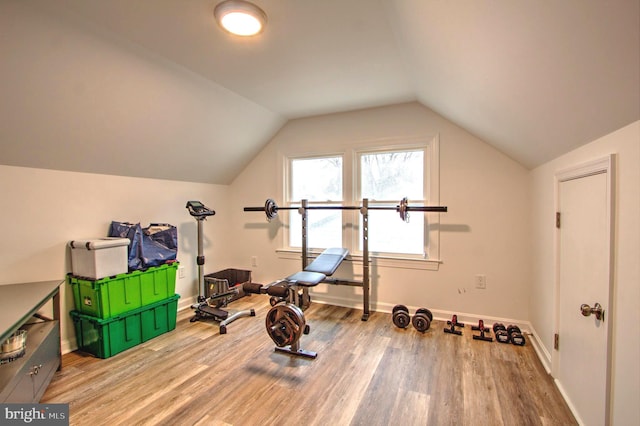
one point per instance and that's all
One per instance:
(481, 281)
(254, 261)
(181, 272)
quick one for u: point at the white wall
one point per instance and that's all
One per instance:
(42, 210)
(625, 313)
(485, 231)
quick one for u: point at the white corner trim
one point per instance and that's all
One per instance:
(541, 350)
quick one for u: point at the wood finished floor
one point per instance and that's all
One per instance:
(366, 373)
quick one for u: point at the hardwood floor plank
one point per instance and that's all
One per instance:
(366, 373)
(410, 405)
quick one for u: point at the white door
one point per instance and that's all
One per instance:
(584, 238)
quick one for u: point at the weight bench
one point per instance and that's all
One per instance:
(285, 321)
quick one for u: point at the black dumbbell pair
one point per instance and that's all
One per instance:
(421, 319)
(511, 334)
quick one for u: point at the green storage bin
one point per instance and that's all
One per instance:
(104, 338)
(108, 297)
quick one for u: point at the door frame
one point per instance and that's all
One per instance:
(602, 165)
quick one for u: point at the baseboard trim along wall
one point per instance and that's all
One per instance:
(441, 315)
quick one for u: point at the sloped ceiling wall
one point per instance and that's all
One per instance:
(155, 89)
(76, 99)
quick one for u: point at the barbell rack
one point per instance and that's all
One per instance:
(271, 209)
(403, 208)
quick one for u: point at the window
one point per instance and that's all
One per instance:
(318, 180)
(383, 175)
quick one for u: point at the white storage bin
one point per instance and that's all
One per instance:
(99, 258)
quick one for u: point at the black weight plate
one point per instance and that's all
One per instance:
(285, 324)
(270, 209)
(426, 312)
(399, 308)
(502, 336)
(517, 339)
(421, 322)
(513, 329)
(401, 319)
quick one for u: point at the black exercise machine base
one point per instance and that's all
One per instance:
(223, 294)
(233, 317)
(299, 352)
(203, 311)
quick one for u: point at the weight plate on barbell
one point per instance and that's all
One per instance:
(270, 209)
(402, 209)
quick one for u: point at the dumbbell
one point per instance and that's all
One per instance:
(501, 333)
(515, 335)
(422, 319)
(400, 315)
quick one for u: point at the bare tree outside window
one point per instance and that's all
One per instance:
(318, 180)
(385, 178)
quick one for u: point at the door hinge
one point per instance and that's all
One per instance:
(558, 220)
(556, 341)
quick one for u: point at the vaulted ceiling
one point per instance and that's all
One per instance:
(533, 78)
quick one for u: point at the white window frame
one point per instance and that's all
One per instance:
(289, 201)
(351, 196)
(357, 167)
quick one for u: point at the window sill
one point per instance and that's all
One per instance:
(376, 260)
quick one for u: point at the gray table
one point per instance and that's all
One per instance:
(19, 302)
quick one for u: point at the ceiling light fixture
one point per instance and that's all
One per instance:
(240, 17)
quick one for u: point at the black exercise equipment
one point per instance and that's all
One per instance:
(400, 316)
(285, 324)
(515, 335)
(452, 326)
(271, 211)
(285, 321)
(500, 331)
(403, 208)
(422, 320)
(480, 327)
(209, 307)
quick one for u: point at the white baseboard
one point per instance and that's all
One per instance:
(543, 354)
(186, 302)
(68, 345)
(569, 404)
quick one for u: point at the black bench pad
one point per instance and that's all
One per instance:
(306, 279)
(328, 261)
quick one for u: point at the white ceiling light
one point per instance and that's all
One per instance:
(240, 17)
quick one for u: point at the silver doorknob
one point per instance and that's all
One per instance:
(596, 310)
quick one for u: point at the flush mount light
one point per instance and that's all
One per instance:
(240, 17)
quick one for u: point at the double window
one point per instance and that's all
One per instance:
(383, 175)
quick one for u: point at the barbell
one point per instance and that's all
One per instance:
(403, 208)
